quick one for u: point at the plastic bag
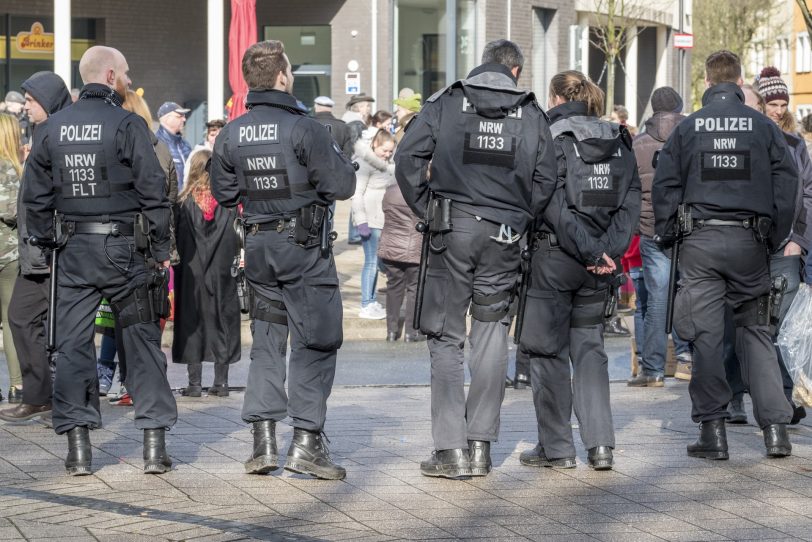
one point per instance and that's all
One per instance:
(795, 342)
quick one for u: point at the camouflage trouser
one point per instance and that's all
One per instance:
(8, 275)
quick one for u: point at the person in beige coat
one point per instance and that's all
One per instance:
(375, 174)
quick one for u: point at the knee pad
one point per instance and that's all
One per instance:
(268, 310)
(490, 308)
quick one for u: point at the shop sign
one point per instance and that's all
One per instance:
(35, 41)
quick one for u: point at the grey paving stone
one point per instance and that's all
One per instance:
(751, 534)
(381, 435)
(691, 536)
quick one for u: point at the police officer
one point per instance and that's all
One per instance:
(285, 169)
(93, 163)
(492, 170)
(578, 240)
(727, 178)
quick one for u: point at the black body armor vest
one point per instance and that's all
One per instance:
(272, 179)
(88, 178)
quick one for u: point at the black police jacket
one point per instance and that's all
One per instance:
(596, 204)
(338, 129)
(490, 150)
(94, 161)
(275, 160)
(728, 162)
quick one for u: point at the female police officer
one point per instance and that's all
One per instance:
(585, 228)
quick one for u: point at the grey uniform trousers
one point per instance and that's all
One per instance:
(307, 285)
(561, 293)
(472, 264)
(725, 265)
(91, 267)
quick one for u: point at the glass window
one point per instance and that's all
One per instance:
(309, 49)
(30, 43)
(421, 30)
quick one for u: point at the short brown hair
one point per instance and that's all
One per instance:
(215, 124)
(262, 63)
(723, 67)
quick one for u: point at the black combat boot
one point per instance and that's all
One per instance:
(521, 381)
(452, 464)
(600, 458)
(265, 458)
(308, 454)
(712, 441)
(79, 455)
(537, 458)
(776, 440)
(479, 453)
(156, 460)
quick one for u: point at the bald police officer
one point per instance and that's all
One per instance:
(727, 181)
(493, 169)
(285, 170)
(94, 165)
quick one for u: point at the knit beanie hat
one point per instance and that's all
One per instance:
(771, 86)
(666, 99)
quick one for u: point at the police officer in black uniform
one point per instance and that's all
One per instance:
(727, 180)
(94, 164)
(583, 232)
(492, 171)
(285, 170)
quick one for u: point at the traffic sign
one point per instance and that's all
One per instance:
(684, 41)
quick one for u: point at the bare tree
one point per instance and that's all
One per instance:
(735, 25)
(806, 14)
(614, 23)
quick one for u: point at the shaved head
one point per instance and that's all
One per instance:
(105, 66)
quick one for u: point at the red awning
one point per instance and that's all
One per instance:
(242, 33)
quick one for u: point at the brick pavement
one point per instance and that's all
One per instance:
(380, 435)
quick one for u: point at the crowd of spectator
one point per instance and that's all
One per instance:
(205, 247)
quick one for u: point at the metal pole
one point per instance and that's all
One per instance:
(451, 41)
(62, 41)
(215, 99)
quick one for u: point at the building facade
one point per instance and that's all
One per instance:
(343, 46)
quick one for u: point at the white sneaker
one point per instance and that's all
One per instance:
(373, 311)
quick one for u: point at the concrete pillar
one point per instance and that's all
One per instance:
(450, 42)
(62, 40)
(662, 60)
(215, 60)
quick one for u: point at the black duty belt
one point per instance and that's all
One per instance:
(747, 223)
(102, 228)
(280, 224)
(550, 237)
